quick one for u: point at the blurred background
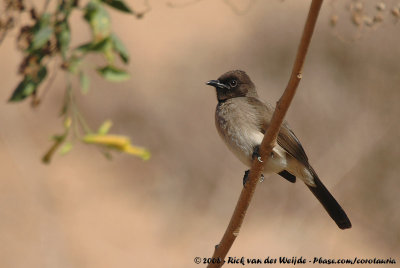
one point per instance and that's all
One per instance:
(83, 210)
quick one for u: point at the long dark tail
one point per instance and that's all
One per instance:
(329, 203)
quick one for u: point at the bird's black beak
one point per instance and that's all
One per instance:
(216, 84)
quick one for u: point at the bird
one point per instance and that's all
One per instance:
(242, 118)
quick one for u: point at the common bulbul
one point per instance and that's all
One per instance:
(242, 119)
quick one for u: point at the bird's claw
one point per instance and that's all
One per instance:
(256, 154)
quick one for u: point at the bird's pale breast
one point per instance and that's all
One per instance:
(237, 124)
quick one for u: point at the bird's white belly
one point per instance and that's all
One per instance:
(242, 142)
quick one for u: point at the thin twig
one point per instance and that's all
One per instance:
(269, 140)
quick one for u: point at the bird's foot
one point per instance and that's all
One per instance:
(256, 154)
(246, 177)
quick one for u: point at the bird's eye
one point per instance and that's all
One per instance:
(233, 83)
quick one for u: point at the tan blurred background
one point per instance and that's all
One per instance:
(86, 211)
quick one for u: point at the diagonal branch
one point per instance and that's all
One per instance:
(269, 140)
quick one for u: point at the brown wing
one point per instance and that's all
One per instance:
(288, 141)
(286, 138)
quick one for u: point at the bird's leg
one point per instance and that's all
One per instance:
(256, 153)
(246, 177)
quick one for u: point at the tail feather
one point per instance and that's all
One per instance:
(329, 203)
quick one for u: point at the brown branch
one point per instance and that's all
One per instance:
(269, 140)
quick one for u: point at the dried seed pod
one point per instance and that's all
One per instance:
(334, 20)
(378, 18)
(368, 21)
(381, 6)
(396, 12)
(356, 18)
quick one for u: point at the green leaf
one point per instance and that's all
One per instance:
(41, 32)
(41, 37)
(98, 19)
(85, 82)
(63, 36)
(41, 74)
(118, 4)
(28, 86)
(66, 148)
(74, 64)
(113, 74)
(105, 127)
(119, 48)
(100, 46)
(104, 46)
(84, 48)
(24, 89)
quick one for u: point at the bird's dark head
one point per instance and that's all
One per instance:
(233, 84)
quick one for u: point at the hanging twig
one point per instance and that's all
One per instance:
(268, 142)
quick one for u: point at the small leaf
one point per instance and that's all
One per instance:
(105, 127)
(66, 148)
(29, 85)
(84, 48)
(47, 157)
(98, 19)
(58, 140)
(74, 64)
(24, 89)
(115, 141)
(120, 48)
(63, 36)
(137, 151)
(85, 82)
(113, 74)
(41, 37)
(100, 46)
(67, 123)
(41, 32)
(41, 74)
(118, 4)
